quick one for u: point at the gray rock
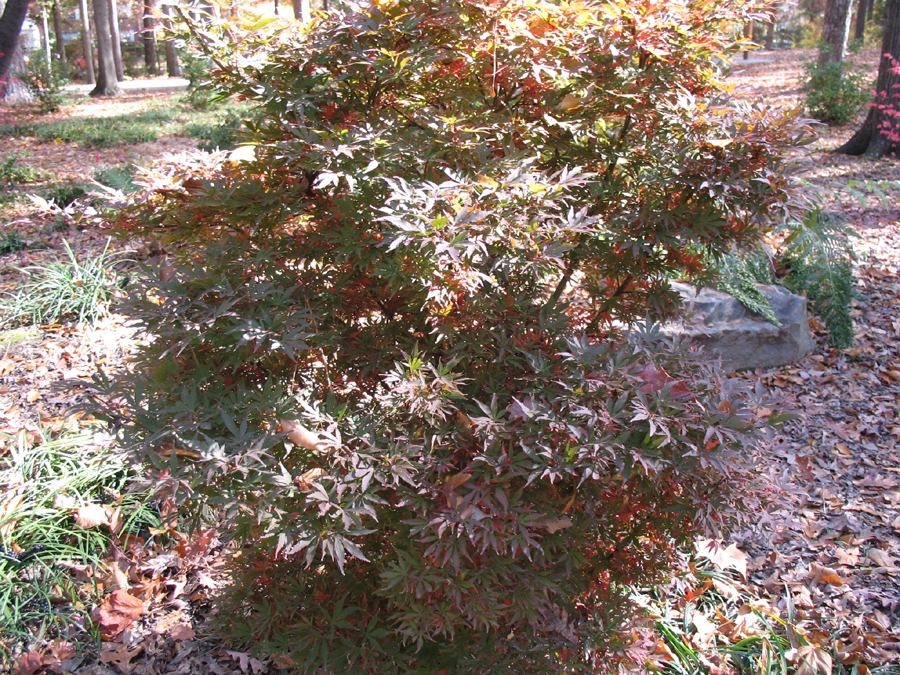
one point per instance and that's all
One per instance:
(740, 337)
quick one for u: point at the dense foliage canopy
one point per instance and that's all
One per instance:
(389, 346)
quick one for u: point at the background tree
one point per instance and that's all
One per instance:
(148, 35)
(58, 31)
(301, 10)
(115, 39)
(861, 13)
(87, 43)
(873, 138)
(11, 21)
(835, 31)
(173, 68)
(107, 83)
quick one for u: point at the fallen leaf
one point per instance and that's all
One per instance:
(300, 435)
(553, 525)
(91, 515)
(28, 664)
(168, 621)
(181, 633)
(848, 557)
(64, 502)
(242, 658)
(880, 558)
(879, 620)
(122, 657)
(824, 575)
(6, 366)
(813, 661)
(723, 558)
(117, 611)
(705, 628)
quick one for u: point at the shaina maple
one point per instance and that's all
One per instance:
(387, 350)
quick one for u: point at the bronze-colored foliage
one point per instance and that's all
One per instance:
(389, 349)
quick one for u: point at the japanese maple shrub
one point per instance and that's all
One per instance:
(384, 350)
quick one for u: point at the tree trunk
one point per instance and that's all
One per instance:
(86, 41)
(148, 22)
(872, 140)
(107, 84)
(770, 35)
(301, 10)
(172, 67)
(860, 31)
(748, 34)
(116, 39)
(60, 41)
(835, 31)
(45, 36)
(10, 28)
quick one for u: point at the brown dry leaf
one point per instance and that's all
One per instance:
(454, 481)
(848, 557)
(168, 621)
(553, 525)
(802, 597)
(28, 664)
(62, 650)
(6, 510)
(118, 611)
(721, 557)
(305, 479)
(879, 620)
(300, 435)
(182, 633)
(824, 575)
(91, 515)
(6, 366)
(242, 658)
(705, 629)
(167, 450)
(115, 518)
(64, 502)
(122, 657)
(880, 558)
(33, 395)
(812, 661)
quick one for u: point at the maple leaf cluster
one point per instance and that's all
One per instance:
(387, 348)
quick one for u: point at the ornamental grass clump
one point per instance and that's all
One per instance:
(387, 353)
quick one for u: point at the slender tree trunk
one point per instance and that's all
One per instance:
(301, 10)
(872, 140)
(148, 22)
(860, 32)
(116, 39)
(10, 27)
(770, 35)
(107, 84)
(748, 34)
(835, 31)
(60, 40)
(45, 36)
(173, 69)
(86, 41)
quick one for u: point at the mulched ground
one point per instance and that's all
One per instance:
(834, 558)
